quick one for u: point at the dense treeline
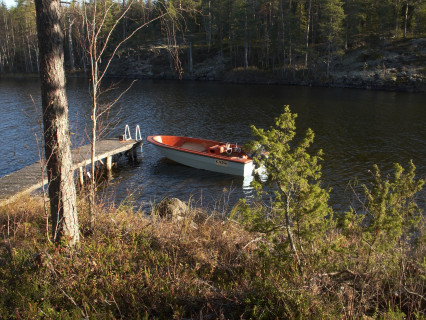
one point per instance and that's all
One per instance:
(267, 34)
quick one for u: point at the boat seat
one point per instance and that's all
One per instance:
(217, 149)
(193, 146)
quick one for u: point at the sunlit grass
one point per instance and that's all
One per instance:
(136, 266)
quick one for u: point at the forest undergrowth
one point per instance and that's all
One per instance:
(135, 266)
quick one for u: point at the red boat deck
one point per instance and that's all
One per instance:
(216, 149)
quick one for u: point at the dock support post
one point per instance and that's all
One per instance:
(134, 153)
(81, 176)
(109, 163)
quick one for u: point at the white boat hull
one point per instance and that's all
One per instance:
(207, 162)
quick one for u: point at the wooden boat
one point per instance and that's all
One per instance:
(205, 154)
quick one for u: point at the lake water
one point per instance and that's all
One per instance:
(355, 129)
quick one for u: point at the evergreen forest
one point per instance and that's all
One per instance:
(281, 36)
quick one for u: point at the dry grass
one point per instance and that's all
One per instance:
(135, 266)
(132, 265)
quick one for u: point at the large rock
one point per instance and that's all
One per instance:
(171, 208)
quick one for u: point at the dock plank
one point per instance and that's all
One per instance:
(29, 178)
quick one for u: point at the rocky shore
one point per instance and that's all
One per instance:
(398, 65)
(394, 66)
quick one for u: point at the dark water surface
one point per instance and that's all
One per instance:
(355, 129)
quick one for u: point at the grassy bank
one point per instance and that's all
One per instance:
(200, 267)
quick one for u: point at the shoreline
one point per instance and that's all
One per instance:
(241, 78)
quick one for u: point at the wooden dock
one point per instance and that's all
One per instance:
(29, 178)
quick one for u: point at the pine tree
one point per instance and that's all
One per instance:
(62, 194)
(332, 26)
(391, 212)
(300, 205)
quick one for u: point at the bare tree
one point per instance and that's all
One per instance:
(62, 194)
(99, 34)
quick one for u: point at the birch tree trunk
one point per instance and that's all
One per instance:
(94, 64)
(406, 19)
(70, 44)
(62, 193)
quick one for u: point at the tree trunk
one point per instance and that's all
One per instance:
(149, 5)
(92, 195)
(190, 58)
(30, 60)
(209, 27)
(94, 64)
(245, 40)
(25, 56)
(37, 58)
(1, 63)
(289, 35)
(282, 32)
(396, 17)
(307, 33)
(13, 60)
(8, 56)
(124, 20)
(221, 44)
(70, 44)
(230, 33)
(62, 193)
(290, 234)
(328, 59)
(406, 19)
(83, 45)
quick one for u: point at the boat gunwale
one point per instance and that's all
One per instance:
(201, 153)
